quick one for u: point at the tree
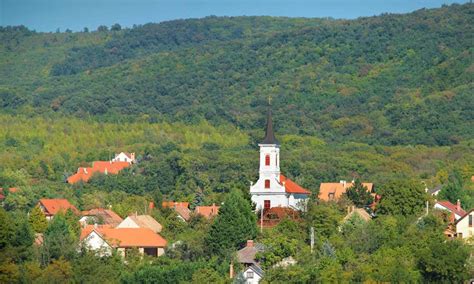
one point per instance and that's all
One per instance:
(444, 261)
(38, 220)
(102, 28)
(59, 271)
(324, 218)
(7, 229)
(359, 194)
(235, 224)
(207, 275)
(115, 27)
(402, 197)
(59, 240)
(393, 265)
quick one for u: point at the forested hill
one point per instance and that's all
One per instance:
(390, 79)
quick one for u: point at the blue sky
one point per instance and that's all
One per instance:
(48, 15)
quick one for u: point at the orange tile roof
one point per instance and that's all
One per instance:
(172, 204)
(127, 237)
(292, 187)
(338, 189)
(53, 206)
(184, 212)
(207, 211)
(109, 216)
(104, 167)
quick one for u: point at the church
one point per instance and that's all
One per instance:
(272, 188)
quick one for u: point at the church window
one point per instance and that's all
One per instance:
(267, 160)
(267, 183)
(266, 204)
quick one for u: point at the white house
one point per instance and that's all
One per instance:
(104, 239)
(252, 274)
(448, 206)
(465, 225)
(272, 188)
(124, 157)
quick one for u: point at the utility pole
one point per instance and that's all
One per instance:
(312, 239)
(261, 219)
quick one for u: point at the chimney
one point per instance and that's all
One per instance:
(249, 243)
(458, 205)
(343, 182)
(151, 205)
(95, 225)
(132, 156)
(85, 170)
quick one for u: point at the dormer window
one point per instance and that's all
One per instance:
(331, 196)
(267, 160)
(267, 183)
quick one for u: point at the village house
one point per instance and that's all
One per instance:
(10, 190)
(464, 226)
(141, 221)
(100, 216)
(333, 191)
(51, 207)
(272, 188)
(125, 157)
(103, 167)
(181, 208)
(207, 211)
(252, 272)
(104, 239)
(360, 212)
(435, 190)
(451, 208)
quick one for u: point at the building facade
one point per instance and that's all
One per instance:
(272, 189)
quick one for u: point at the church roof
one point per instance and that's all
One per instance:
(292, 187)
(269, 135)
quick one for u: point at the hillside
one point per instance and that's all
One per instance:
(389, 80)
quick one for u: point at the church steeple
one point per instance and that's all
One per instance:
(269, 135)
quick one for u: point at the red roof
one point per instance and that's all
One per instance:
(172, 204)
(126, 237)
(337, 189)
(53, 206)
(207, 211)
(451, 207)
(104, 167)
(292, 187)
(108, 216)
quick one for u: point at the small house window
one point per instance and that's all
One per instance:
(267, 160)
(331, 196)
(470, 220)
(267, 183)
(249, 274)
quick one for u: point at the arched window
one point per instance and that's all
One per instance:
(267, 183)
(267, 160)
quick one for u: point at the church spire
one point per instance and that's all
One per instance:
(269, 135)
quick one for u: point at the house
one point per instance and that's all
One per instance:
(332, 191)
(272, 188)
(448, 206)
(141, 221)
(352, 210)
(252, 272)
(182, 208)
(51, 207)
(435, 190)
(101, 216)
(273, 216)
(464, 226)
(10, 190)
(125, 157)
(103, 167)
(104, 239)
(207, 211)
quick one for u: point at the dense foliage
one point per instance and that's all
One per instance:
(392, 79)
(384, 99)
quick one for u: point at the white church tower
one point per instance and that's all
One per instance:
(273, 189)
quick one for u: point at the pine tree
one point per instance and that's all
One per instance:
(359, 195)
(235, 224)
(38, 220)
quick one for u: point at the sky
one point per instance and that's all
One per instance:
(49, 15)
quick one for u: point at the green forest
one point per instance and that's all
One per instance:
(386, 99)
